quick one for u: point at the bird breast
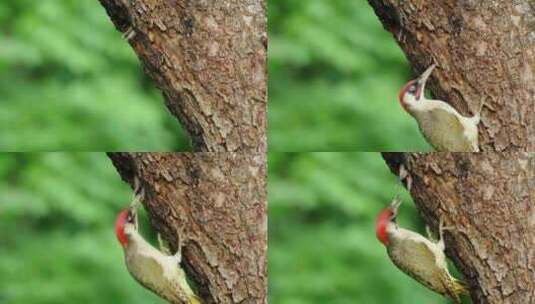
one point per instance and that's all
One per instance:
(158, 273)
(444, 130)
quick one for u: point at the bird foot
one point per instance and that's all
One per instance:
(430, 235)
(129, 34)
(138, 196)
(163, 247)
(404, 175)
(441, 229)
(178, 254)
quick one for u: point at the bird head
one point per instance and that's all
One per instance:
(413, 91)
(126, 225)
(386, 217)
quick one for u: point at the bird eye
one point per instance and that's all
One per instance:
(412, 89)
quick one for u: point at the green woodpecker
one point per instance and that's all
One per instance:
(442, 126)
(156, 271)
(417, 256)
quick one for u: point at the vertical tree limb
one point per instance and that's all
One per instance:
(216, 204)
(209, 60)
(489, 201)
(485, 50)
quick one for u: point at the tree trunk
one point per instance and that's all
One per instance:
(209, 60)
(485, 50)
(488, 200)
(215, 202)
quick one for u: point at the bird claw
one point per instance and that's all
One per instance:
(178, 256)
(129, 34)
(404, 175)
(429, 233)
(481, 104)
(163, 248)
(441, 229)
(484, 103)
(139, 194)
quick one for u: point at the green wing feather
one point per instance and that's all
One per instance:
(450, 136)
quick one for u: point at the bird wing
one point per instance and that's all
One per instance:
(445, 131)
(151, 269)
(418, 258)
(156, 277)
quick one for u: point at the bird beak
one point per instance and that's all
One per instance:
(132, 212)
(422, 80)
(394, 206)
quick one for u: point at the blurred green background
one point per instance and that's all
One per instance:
(68, 81)
(322, 244)
(57, 238)
(334, 75)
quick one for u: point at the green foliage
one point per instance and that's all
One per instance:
(69, 82)
(57, 240)
(322, 244)
(334, 76)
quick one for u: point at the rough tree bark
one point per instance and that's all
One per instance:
(485, 50)
(209, 60)
(488, 200)
(215, 202)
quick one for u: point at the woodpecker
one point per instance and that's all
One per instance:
(442, 126)
(422, 259)
(156, 271)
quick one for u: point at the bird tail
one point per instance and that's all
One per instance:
(460, 287)
(194, 300)
(456, 290)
